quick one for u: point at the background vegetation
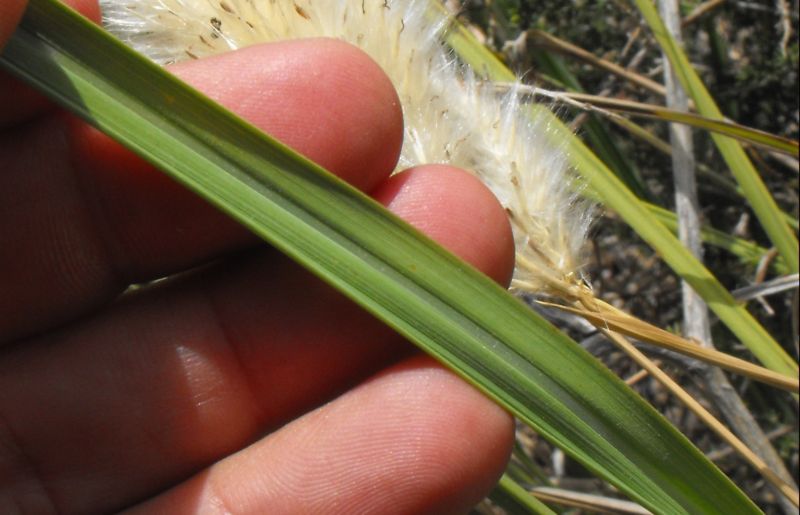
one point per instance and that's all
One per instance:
(747, 55)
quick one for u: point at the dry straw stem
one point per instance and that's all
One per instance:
(771, 287)
(551, 42)
(727, 450)
(704, 415)
(605, 316)
(584, 501)
(700, 11)
(641, 374)
(786, 25)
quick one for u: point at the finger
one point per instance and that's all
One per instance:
(415, 439)
(179, 376)
(457, 211)
(18, 101)
(87, 218)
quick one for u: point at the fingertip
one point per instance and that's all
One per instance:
(88, 8)
(458, 211)
(465, 437)
(324, 98)
(438, 441)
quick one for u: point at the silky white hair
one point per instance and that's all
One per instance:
(450, 115)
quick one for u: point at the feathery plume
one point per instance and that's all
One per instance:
(450, 115)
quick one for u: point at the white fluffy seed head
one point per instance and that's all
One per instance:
(450, 116)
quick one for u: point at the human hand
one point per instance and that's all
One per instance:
(243, 385)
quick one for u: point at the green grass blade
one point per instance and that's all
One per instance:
(444, 306)
(725, 128)
(747, 251)
(522, 468)
(515, 499)
(754, 189)
(609, 106)
(714, 179)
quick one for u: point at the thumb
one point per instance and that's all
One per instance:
(10, 14)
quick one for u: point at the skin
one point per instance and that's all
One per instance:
(242, 384)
